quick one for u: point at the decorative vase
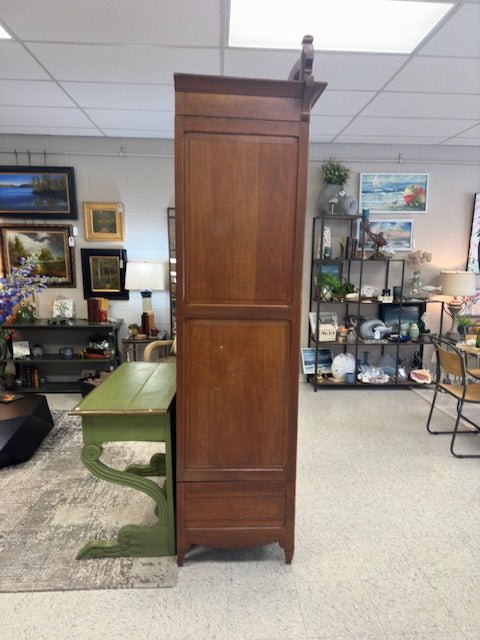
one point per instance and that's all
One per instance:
(414, 331)
(25, 315)
(414, 286)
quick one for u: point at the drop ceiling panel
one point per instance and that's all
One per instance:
(459, 37)
(438, 75)
(165, 22)
(49, 131)
(357, 72)
(426, 105)
(34, 93)
(111, 63)
(341, 103)
(43, 116)
(390, 139)
(320, 125)
(405, 126)
(15, 62)
(125, 96)
(126, 119)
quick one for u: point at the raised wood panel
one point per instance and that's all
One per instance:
(237, 409)
(227, 504)
(241, 196)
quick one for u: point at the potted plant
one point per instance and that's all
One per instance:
(134, 329)
(336, 173)
(335, 177)
(463, 323)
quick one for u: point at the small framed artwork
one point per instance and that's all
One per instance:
(324, 360)
(38, 192)
(325, 317)
(397, 233)
(51, 246)
(21, 349)
(103, 273)
(103, 221)
(473, 261)
(62, 308)
(394, 192)
(394, 315)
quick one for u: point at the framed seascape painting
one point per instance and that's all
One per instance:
(38, 192)
(324, 360)
(103, 221)
(50, 245)
(103, 273)
(394, 192)
(473, 262)
(397, 233)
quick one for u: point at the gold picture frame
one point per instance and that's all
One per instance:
(103, 221)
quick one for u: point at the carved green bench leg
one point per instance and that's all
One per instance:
(156, 467)
(132, 540)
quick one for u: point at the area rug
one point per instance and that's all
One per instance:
(51, 505)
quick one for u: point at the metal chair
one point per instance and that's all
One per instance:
(166, 350)
(451, 368)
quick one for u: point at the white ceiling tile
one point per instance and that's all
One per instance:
(138, 133)
(255, 63)
(438, 75)
(33, 93)
(341, 103)
(15, 62)
(406, 126)
(320, 125)
(166, 22)
(125, 96)
(44, 116)
(469, 142)
(459, 36)
(356, 72)
(427, 105)
(389, 139)
(126, 119)
(112, 63)
(49, 131)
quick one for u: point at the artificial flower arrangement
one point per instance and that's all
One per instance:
(15, 288)
(415, 259)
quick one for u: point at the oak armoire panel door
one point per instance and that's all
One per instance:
(240, 161)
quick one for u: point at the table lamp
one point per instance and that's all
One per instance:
(456, 284)
(145, 277)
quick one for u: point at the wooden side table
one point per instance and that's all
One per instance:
(135, 403)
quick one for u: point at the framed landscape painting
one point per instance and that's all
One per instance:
(49, 244)
(38, 192)
(394, 192)
(103, 221)
(103, 273)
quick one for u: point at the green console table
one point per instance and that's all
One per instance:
(135, 403)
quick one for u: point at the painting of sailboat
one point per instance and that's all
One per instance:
(394, 192)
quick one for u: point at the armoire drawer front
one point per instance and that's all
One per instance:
(227, 504)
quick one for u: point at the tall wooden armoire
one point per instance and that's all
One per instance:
(241, 153)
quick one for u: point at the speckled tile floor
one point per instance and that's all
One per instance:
(387, 546)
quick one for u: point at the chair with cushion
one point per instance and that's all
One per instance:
(451, 378)
(165, 349)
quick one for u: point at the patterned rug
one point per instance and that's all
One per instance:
(52, 505)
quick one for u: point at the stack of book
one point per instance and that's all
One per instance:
(97, 309)
(30, 377)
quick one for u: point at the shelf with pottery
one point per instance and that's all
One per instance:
(59, 367)
(354, 346)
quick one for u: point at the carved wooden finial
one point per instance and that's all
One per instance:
(303, 67)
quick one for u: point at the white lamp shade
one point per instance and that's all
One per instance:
(458, 283)
(148, 276)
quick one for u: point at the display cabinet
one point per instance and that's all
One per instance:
(53, 370)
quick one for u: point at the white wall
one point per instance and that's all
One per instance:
(140, 173)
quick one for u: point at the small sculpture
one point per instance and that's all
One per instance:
(378, 240)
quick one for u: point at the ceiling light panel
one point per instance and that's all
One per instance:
(379, 26)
